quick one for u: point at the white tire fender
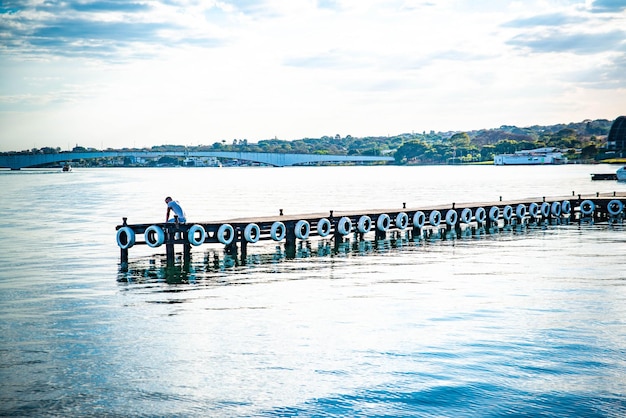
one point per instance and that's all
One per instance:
(252, 233)
(344, 226)
(226, 234)
(419, 219)
(466, 215)
(402, 220)
(434, 218)
(125, 237)
(278, 231)
(154, 236)
(587, 207)
(191, 235)
(302, 229)
(451, 217)
(365, 224)
(323, 227)
(383, 222)
(481, 215)
(615, 207)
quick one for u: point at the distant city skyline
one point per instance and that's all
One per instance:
(106, 74)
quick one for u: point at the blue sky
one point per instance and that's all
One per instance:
(139, 73)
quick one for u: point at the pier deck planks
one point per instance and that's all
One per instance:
(440, 207)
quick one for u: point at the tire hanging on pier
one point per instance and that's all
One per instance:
(434, 218)
(252, 233)
(566, 207)
(555, 209)
(364, 225)
(615, 207)
(402, 220)
(323, 227)
(481, 215)
(278, 231)
(507, 213)
(419, 219)
(545, 209)
(466, 215)
(451, 217)
(344, 226)
(125, 237)
(494, 214)
(154, 236)
(533, 210)
(302, 229)
(587, 207)
(191, 235)
(225, 234)
(383, 222)
(520, 211)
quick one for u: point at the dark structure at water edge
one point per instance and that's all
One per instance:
(616, 141)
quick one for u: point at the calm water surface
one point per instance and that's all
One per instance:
(522, 322)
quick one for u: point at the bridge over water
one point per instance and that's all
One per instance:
(19, 161)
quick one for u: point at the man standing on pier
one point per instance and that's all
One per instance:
(174, 206)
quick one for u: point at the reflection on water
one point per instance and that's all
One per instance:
(520, 320)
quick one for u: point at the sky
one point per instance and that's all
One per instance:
(137, 73)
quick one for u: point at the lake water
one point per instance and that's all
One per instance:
(527, 321)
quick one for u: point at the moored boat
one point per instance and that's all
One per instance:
(604, 176)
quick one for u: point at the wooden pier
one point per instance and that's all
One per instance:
(236, 234)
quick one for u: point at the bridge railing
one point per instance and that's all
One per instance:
(18, 161)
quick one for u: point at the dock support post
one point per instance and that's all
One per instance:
(169, 253)
(171, 230)
(244, 251)
(187, 253)
(124, 258)
(290, 240)
(231, 249)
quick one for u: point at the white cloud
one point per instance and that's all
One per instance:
(134, 74)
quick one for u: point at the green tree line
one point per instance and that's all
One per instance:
(580, 141)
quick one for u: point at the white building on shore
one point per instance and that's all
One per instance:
(536, 156)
